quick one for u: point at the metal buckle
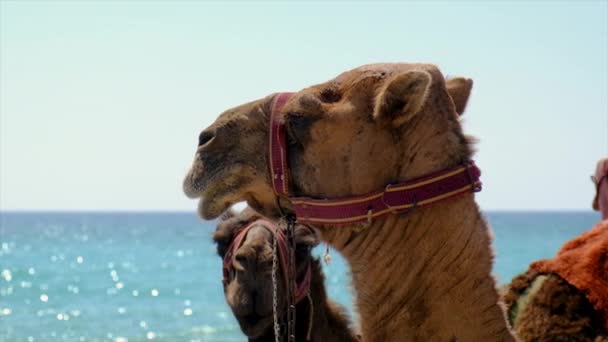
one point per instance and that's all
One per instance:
(282, 211)
(475, 184)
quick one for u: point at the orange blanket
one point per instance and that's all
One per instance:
(583, 262)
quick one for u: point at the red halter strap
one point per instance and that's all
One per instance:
(302, 287)
(279, 168)
(394, 198)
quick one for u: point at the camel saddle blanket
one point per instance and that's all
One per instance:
(583, 263)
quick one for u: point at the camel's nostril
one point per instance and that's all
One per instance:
(205, 137)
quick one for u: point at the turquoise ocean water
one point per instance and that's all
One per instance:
(156, 277)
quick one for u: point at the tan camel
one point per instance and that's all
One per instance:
(418, 276)
(248, 290)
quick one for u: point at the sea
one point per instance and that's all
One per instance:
(78, 276)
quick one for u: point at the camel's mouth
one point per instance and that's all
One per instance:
(210, 208)
(192, 187)
(217, 190)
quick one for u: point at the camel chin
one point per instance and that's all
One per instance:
(254, 327)
(212, 207)
(216, 193)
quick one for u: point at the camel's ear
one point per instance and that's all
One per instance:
(460, 90)
(402, 97)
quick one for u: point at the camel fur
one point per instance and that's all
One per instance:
(572, 302)
(423, 275)
(566, 298)
(248, 291)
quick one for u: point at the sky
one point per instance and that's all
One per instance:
(101, 102)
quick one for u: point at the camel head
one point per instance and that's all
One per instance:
(248, 289)
(370, 126)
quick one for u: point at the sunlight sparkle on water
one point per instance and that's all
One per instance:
(187, 312)
(205, 329)
(74, 289)
(150, 335)
(114, 275)
(154, 292)
(6, 291)
(44, 298)
(6, 274)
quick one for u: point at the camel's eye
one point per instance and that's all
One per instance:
(330, 95)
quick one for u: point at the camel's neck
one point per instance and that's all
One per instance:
(424, 276)
(329, 321)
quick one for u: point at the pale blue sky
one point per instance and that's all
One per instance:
(102, 102)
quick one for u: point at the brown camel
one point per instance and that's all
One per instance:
(566, 298)
(545, 308)
(248, 290)
(422, 275)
